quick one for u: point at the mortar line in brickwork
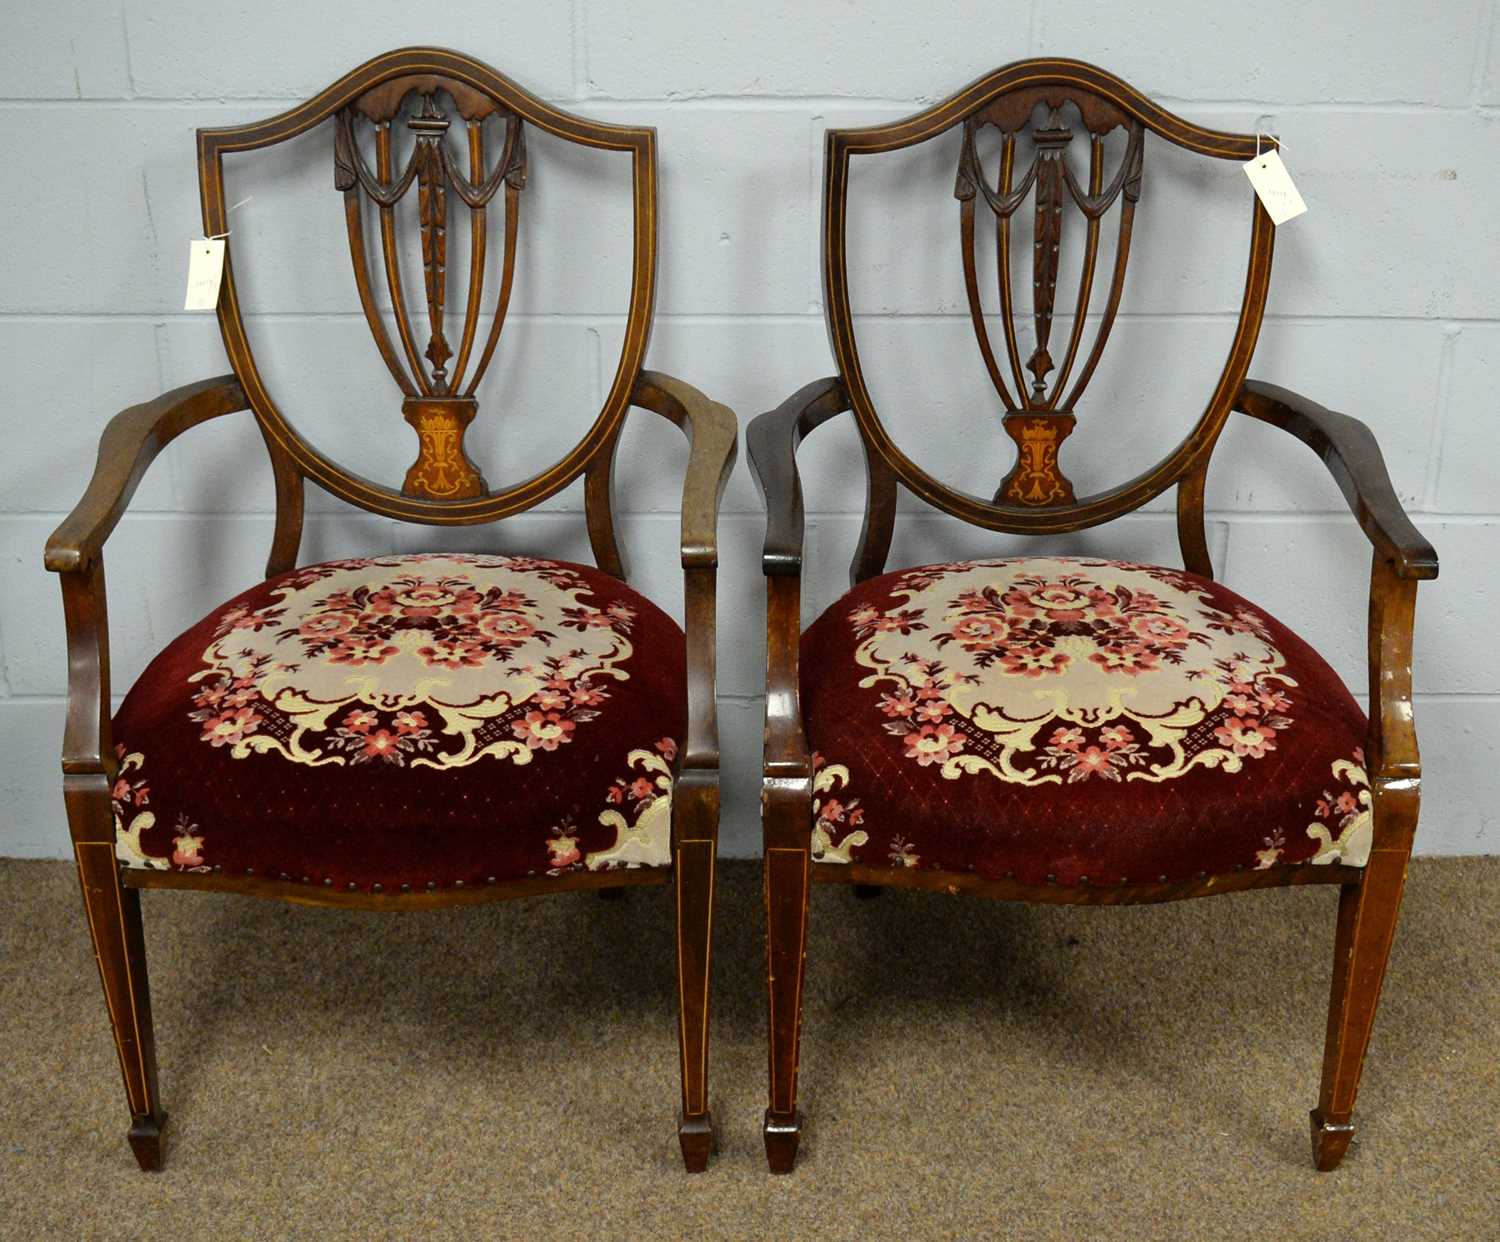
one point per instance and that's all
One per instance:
(759, 103)
(1432, 479)
(1482, 46)
(125, 49)
(714, 318)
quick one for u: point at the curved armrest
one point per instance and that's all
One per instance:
(1349, 450)
(130, 443)
(772, 440)
(713, 434)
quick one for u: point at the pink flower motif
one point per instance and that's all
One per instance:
(453, 653)
(1274, 701)
(933, 710)
(188, 851)
(240, 696)
(543, 730)
(1160, 628)
(905, 622)
(863, 616)
(856, 816)
(211, 695)
(1033, 661)
(1129, 658)
(1246, 736)
(899, 704)
(1116, 736)
(641, 789)
(585, 695)
(982, 630)
(933, 744)
(1017, 601)
(231, 727)
(1093, 762)
(1347, 803)
(409, 722)
(615, 794)
(374, 651)
(667, 748)
(382, 744)
(424, 599)
(564, 851)
(831, 811)
(121, 791)
(322, 625)
(1061, 600)
(233, 619)
(1067, 739)
(549, 699)
(506, 627)
(361, 720)
(1242, 704)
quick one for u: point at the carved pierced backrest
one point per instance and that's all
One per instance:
(1033, 114)
(424, 141)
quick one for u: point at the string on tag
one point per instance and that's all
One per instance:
(1280, 146)
(230, 212)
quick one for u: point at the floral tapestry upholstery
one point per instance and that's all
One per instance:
(1065, 719)
(408, 720)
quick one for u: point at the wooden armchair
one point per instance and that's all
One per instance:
(407, 732)
(1051, 729)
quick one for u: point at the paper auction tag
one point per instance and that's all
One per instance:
(205, 271)
(1274, 185)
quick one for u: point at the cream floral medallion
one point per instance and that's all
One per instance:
(435, 661)
(1044, 671)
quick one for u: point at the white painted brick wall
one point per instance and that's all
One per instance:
(1383, 303)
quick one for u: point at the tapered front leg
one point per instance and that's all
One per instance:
(695, 814)
(1366, 928)
(788, 815)
(114, 921)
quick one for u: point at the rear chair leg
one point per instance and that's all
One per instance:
(787, 874)
(1366, 927)
(695, 814)
(114, 919)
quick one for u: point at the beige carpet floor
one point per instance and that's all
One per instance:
(971, 1070)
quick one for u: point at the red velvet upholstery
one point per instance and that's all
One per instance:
(406, 720)
(1051, 718)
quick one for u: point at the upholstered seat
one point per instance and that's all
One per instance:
(1078, 721)
(408, 721)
